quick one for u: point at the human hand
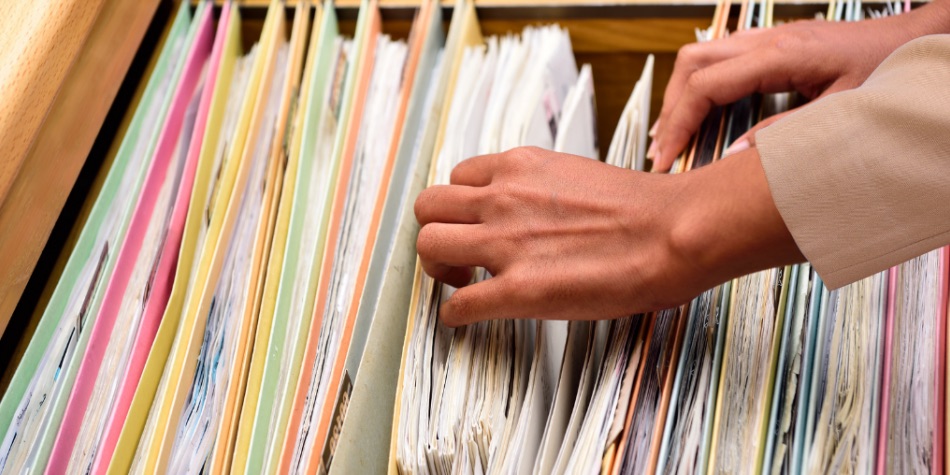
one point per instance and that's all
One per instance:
(814, 58)
(572, 238)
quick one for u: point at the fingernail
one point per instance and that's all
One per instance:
(652, 131)
(652, 150)
(736, 147)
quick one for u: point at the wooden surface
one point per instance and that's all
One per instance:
(61, 65)
(65, 233)
(40, 42)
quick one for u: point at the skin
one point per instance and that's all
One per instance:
(567, 237)
(814, 58)
(562, 247)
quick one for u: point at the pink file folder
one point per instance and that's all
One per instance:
(937, 461)
(105, 322)
(166, 267)
(892, 276)
(941, 363)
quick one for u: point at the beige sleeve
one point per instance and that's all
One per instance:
(862, 177)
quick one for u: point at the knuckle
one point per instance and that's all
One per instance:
(501, 199)
(688, 54)
(506, 159)
(458, 173)
(792, 39)
(697, 81)
(477, 199)
(522, 157)
(532, 150)
(536, 156)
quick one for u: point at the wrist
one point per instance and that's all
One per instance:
(727, 223)
(930, 19)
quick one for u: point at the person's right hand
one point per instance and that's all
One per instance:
(813, 58)
(571, 238)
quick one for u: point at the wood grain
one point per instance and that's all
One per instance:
(622, 35)
(40, 43)
(51, 160)
(111, 135)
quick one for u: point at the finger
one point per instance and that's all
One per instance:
(696, 56)
(754, 31)
(747, 140)
(477, 171)
(719, 84)
(443, 248)
(457, 277)
(489, 299)
(449, 204)
(456, 245)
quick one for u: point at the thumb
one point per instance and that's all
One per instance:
(747, 140)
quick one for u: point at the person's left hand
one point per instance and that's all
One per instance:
(567, 237)
(814, 58)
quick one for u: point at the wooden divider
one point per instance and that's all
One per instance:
(61, 64)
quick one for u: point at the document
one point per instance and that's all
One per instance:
(357, 204)
(157, 438)
(909, 406)
(282, 328)
(139, 283)
(239, 295)
(34, 404)
(745, 390)
(846, 434)
(269, 442)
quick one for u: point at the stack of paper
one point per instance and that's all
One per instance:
(769, 373)
(489, 404)
(653, 394)
(912, 404)
(139, 288)
(751, 349)
(688, 422)
(353, 213)
(845, 435)
(285, 318)
(628, 147)
(242, 178)
(33, 407)
(245, 296)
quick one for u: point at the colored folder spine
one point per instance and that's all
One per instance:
(172, 255)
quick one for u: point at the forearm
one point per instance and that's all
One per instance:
(728, 224)
(930, 19)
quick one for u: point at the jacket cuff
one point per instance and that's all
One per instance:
(862, 177)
